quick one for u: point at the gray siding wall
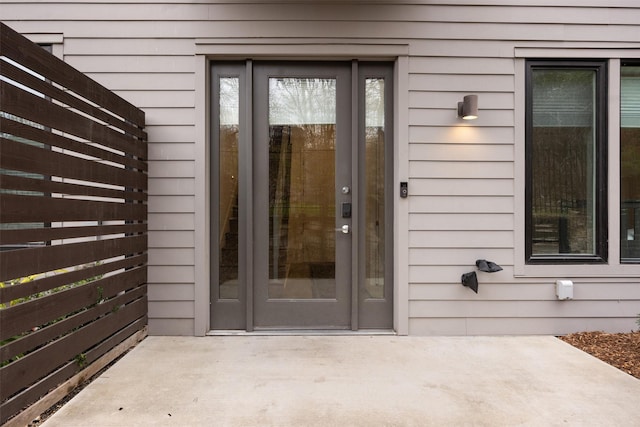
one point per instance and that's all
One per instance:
(465, 194)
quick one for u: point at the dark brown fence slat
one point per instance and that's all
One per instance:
(39, 110)
(12, 293)
(100, 299)
(45, 335)
(26, 235)
(15, 376)
(31, 133)
(47, 89)
(23, 51)
(18, 156)
(19, 183)
(20, 208)
(39, 389)
(23, 262)
(38, 312)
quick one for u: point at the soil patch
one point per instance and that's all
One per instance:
(621, 350)
(52, 410)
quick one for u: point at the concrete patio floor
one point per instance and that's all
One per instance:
(355, 381)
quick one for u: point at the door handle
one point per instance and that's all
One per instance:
(345, 229)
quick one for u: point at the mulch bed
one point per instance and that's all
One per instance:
(620, 350)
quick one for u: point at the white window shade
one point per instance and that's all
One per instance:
(563, 98)
(630, 98)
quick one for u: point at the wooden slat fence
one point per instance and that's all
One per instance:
(73, 223)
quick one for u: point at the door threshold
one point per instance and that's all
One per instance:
(302, 332)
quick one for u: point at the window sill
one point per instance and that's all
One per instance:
(560, 270)
(566, 260)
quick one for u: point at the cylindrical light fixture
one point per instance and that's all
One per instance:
(468, 108)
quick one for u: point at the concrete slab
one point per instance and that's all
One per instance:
(355, 381)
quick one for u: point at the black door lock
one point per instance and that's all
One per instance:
(346, 210)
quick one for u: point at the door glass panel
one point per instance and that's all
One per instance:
(374, 190)
(228, 191)
(302, 206)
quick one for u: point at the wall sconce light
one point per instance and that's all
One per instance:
(468, 108)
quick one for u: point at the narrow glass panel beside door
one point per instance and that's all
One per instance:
(302, 205)
(375, 194)
(228, 191)
(374, 190)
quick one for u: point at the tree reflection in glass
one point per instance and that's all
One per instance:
(302, 142)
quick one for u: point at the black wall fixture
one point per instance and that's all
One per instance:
(470, 280)
(487, 266)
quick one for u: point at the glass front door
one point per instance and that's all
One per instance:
(303, 159)
(301, 207)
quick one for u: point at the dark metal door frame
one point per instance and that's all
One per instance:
(361, 311)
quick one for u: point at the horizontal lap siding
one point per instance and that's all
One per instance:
(461, 176)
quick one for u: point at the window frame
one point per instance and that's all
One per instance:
(601, 221)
